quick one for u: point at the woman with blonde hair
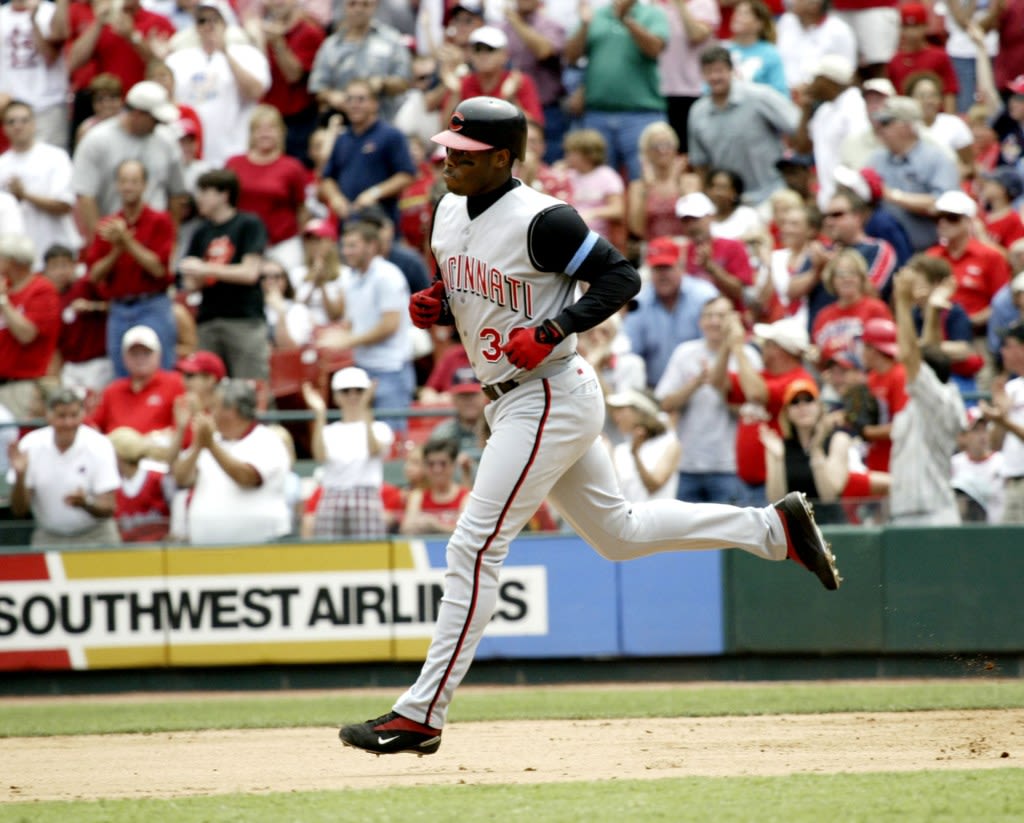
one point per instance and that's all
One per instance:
(317, 281)
(846, 277)
(272, 185)
(651, 199)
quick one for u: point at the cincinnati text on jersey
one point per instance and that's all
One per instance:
(463, 273)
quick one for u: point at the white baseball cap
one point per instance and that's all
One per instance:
(695, 204)
(351, 377)
(631, 398)
(489, 36)
(854, 181)
(879, 85)
(836, 68)
(140, 336)
(152, 98)
(956, 202)
(790, 334)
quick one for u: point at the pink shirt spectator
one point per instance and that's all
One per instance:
(679, 63)
(591, 190)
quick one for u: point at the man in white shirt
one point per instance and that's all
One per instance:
(66, 474)
(38, 175)
(805, 34)
(1007, 412)
(236, 468)
(222, 81)
(833, 108)
(376, 297)
(32, 65)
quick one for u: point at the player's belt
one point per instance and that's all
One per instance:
(498, 389)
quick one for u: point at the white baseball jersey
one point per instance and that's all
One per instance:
(491, 282)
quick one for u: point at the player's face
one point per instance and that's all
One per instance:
(476, 172)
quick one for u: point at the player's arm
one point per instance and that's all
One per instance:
(559, 240)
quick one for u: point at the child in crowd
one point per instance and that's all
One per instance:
(142, 504)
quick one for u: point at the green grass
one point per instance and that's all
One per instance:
(239, 711)
(913, 797)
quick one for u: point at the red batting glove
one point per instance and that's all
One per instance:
(425, 306)
(527, 348)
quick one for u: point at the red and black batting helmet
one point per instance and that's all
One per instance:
(485, 123)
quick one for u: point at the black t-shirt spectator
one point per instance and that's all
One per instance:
(228, 243)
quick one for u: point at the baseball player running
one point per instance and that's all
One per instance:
(509, 260)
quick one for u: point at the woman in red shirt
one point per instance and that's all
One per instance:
(272, 185)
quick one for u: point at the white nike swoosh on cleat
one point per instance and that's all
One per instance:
(383, 741)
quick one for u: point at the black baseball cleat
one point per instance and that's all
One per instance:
(391, 734)
(804, 541)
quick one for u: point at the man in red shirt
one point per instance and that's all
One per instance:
(722, 261)
(129, 261)
(758, 393)
(980, 270)
(29, 325)
(917, 55)
(81, 356)
(491, 75)
(144, 400)
(887, 381)
(117, 42)
(292, 41)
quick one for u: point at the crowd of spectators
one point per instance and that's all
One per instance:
(210, 210)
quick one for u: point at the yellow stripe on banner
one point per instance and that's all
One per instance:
(267, 559)
(89, 565)
(340, 651)
(285, 558)
(126, 657)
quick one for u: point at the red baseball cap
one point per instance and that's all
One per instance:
(663, 251)
(321, 228)
(913, 14)
(837, 351)
(880, 334)
(203, 362)
(464, 381)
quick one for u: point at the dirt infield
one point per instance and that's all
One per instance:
(282, 760)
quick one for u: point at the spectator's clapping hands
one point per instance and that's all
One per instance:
(113, 230)
(903, 285)
(184, 408)
(203, 428)
(771, 441)
(16, 459)
(314, 400)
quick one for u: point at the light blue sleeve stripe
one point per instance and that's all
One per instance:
(581, 253)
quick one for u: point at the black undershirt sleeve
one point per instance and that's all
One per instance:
(557, 239)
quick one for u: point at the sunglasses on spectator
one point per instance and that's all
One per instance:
(482, 48)
(835, 215)
(351, 391)
(802, 399)
(202, 21)
(950, 217)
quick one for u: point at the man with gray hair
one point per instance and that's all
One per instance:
(236, 468)
(66, 475)
(914, 172)
(29, 326)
